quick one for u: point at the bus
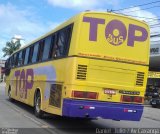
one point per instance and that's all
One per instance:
(94, 65)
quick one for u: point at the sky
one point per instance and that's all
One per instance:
(33, 18)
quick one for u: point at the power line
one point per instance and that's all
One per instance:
(140, 9)
(155, 24)
(156, 41)
(156, 35)
(154, 18)
(138, 5)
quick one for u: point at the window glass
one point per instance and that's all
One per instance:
(68, 32)
(12, 61)
(8, 63)
(62, 42)
(26, 56)
(30, 54)
(40, 53)
(35, 52)
(15, 60)
(52, 52)
(20, 59)
(23, 56)
(47, 45)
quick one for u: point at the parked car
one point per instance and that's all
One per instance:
(155, 101)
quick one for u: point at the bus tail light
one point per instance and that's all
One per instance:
(138, 99)
(134, 99)
(126, 98)
(92, 95)
(78, 94)
(82, 94)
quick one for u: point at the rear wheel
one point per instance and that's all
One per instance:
(37, 106)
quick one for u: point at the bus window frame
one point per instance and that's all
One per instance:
(71, 25)
(44, 45)
(67, 42)
(33, 47)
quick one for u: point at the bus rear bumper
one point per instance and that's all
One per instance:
(106, 110)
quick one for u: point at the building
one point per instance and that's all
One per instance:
(154, 64)
(153, 83)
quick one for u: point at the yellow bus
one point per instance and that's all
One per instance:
(93, 65)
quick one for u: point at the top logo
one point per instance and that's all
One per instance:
(116, 31)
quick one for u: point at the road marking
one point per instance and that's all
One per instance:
(151, 118)
(44, 126)
(25, 115)
(32, 119)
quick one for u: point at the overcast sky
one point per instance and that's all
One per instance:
(32, 18)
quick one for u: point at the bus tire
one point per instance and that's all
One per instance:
(9, 95)
(37, 105)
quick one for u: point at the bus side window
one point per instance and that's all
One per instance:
(30, 54)
(35, 53)
(20, 58)
(40, 51)
(16, 61)
(61, 42)
(12, 61)
(68, 32)
(53, 51)
(26, 56)
(8, 63)
(23, 56)
(47, 46)
(51, 47)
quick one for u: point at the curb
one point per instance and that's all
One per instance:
(147, 105)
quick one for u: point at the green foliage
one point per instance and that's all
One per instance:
(11, 47)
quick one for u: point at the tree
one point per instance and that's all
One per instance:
(11, 47)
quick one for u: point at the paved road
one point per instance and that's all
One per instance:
(18, 115)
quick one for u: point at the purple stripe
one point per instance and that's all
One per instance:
(106, 110)
(50, 73)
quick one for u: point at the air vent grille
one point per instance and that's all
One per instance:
(81, 72)
(140, 78)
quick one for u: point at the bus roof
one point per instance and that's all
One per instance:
(73, 19)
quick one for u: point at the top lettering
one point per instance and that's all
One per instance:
(116, 31)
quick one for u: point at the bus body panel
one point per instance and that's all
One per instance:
(94, 64)
(124, 40)
(96, 109)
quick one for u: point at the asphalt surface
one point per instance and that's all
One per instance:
(21, 117)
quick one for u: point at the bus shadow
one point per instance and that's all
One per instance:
(64, 124)
(21, 105)
(72, 125)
